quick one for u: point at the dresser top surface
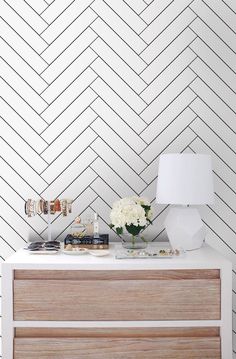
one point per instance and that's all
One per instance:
(205, 257)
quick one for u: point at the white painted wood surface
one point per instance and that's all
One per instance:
(204, 258)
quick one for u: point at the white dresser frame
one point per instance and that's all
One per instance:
(204, 258)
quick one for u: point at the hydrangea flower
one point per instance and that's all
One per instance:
(131, 213)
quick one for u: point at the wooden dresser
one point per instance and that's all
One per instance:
(84, 307)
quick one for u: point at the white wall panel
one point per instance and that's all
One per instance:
(93, 91)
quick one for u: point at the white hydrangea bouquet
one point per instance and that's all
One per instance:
(131, 214)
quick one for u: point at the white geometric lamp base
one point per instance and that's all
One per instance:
(185, 228)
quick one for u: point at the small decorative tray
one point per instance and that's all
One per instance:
(150, 254)
(43, 251)
(75, 251)
(49, 247)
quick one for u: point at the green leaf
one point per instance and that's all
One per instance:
(146, 208)
(134, 229)
(119, 230)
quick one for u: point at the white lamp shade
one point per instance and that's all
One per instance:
(185, 179)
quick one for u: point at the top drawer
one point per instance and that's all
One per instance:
(117, 295)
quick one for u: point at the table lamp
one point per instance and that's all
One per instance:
(184, 180)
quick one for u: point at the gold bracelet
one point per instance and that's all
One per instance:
(52, 207)
(31, 212)
(40, 206)
(57, 205)
(45, 207)
(64, 207)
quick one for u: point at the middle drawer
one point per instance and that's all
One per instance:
(117, 295)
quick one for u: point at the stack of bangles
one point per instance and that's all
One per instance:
(42, 206)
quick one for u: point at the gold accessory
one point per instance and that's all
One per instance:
(52, 205)
(45, 207)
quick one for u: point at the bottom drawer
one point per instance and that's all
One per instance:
(117, 343)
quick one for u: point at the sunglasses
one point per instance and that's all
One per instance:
(50, 245)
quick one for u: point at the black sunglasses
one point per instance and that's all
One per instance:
(50, 245)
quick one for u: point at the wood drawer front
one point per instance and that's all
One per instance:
(118, 295)
(116, 344)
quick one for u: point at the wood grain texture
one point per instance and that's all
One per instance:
(117, 348)
(182, 299)
(118, 274)
(116, 332)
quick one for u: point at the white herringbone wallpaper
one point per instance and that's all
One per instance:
(93, 91)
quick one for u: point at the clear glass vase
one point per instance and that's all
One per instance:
(130, 241)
